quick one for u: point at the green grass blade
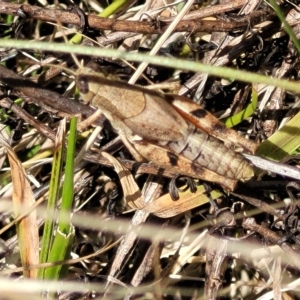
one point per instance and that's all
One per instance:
(245, 113)
(63, 240)
(53, 197)
(282, 143)
(60, 251)
(112, 8)
(68, 186)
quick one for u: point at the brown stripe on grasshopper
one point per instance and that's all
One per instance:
(209, 123)
(150, 124)
(201, 113)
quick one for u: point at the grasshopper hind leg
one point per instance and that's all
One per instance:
(182, 165)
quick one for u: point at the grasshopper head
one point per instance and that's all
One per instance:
(84, 89)
(85, 79)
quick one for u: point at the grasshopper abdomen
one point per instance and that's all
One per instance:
(211, 153)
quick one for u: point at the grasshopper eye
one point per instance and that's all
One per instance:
(83, 86)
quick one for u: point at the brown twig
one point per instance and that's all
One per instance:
(49, 100)
(45, 130)
(146, 27)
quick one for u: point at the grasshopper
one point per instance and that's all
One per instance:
(169, 130)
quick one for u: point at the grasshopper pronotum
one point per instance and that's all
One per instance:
(155, 127)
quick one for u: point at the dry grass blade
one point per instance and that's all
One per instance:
(23, 200)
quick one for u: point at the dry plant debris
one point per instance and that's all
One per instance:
(150, 229)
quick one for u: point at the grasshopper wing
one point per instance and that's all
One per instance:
(144, 112)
